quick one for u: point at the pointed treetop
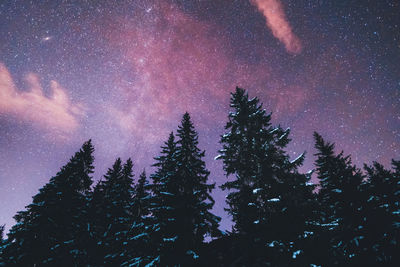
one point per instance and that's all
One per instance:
(82, 160)
(142, 183)
(117, 164)
(115, 170)
(323, 146)
(186, 117)
(171, 140)
(87, 151)
(247, 111)
(167, 150)
(129, 163)
(187, 134)
(396, 165)
(143, 174)
(88, 146)
(1, 232)
(239, 93)
(142, 179)
(127, 169)
(241, 96)
(186, 124)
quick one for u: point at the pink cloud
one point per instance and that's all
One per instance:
(278, 24)
(52, 113)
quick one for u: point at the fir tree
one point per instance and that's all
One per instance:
(269, 201)
(341, 198)
(53, 230)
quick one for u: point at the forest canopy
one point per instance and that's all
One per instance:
(351, 217)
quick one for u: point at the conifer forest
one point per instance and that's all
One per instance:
(351, 217)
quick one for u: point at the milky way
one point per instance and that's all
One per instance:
(124, 72)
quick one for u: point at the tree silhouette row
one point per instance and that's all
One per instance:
(351, 218)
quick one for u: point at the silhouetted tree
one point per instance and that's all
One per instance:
(2, 241)
(194, 200)
(111, 203)
(151, 237)
(269, 200)
(53, 230)
(136, 250)
(395, 209)
(141, 198)
(165, 189)
(182, 199)
(353, 219)
(381, 235)
(341, 199)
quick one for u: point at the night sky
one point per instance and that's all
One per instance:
(124, 72)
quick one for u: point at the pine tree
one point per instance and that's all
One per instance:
(341, 198)
(269, 201)
(111, 201)
(53, 229)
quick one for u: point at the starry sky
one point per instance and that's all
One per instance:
(124, 72)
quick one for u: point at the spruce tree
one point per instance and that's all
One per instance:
(165, 189)
(151, 237)
(382, 216)
(395, 210)
(182, 199)
(1, 234)
(111, 201)
(2, 241)
(141, 198)
(269, 200)
(194, 201)
(136, 250)
(53, 230)
(341, 200)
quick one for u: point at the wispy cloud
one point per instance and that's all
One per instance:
(278, 24)
(53, 113)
